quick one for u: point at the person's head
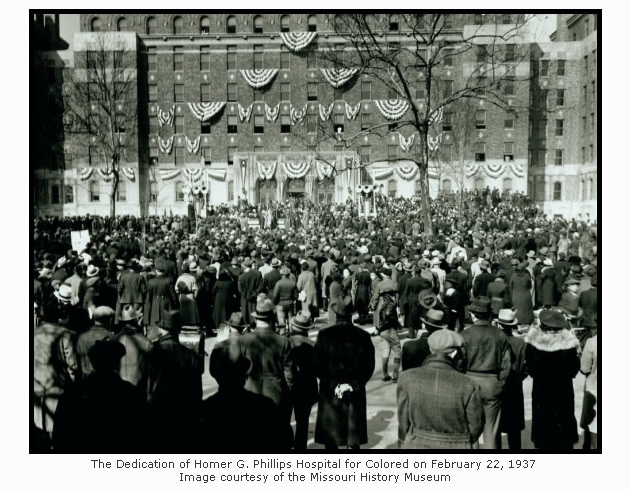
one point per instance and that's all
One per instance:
(105, 356)
(304, 266)
(507, 320)
(433, 320)
(445, 342)
(172, 322)
(264, 314)
(229, 370)
(552, 321)
(480, 309)
(104, 315)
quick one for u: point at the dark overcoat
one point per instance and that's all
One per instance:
(224, 300)
(343, 354)
(305, 382)
(414, 352)
(412, 289)
(547, 294)
(520, 286)
(249, 285)
(512, 401)
(497, 292)
(160, 298)
(363, 289)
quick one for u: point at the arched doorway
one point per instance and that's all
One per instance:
(296, 188)
(267, 191)
(325, 191)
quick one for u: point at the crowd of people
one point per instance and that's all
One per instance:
(493, 293)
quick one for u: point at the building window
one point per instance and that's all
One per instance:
(231, 92)
(561, 68)
(365, 154)
(506, 19)
(206, 127)
(482, 83)
(478, 19)
(592, 122)
(559, 127)
(392, 188)
(285, 58)
(365, 121)
(178, 91)
(259, 124)
(338, 123)
(232, 124)
(510, 53)
(508, 152)
(479, 183)
(507, 184)
(393, 23)
(121, 191)
(560, 97)
(204, 58)
(421, 54)
(592, 152)
(338, 94)
(151, 26)
(285, 124)
(121, 24)
(231, 153)
(178, 58)
(559, 157)
(509, 87)
(420, 89)
(258, 57)
(230, 25)
(530, 157)
(179, 124)
(204, 90)
(54, 194)
(311, 90)
(480, 152)
(447, 123)
(231, 58)
(448, 21)
(482, 53)
(480, 120)
(446, 153)
(557, 191)
(93, 155)
(544, 68)
(285, 24)
(446, 185)
(542, 128)
(206, 153)
(448, 57)
(178, 25)
(542, 156)
(204, 25)
(508, 122)
(311, 60)
(312, 23)
(179, 191)
(586, 31)
(392, 93)
(179, 155)
(583, 154)
(285, 149)
(285, 92)
(69, 194)
(95, 25)
(311, 123)
(448, 89)
(418, 187)
(392, 153)
(95, 192)
(153, 156)
(258, 25)
(119, 123)
(153, 92)
(585, 92)
(153, 191)
(152, 59)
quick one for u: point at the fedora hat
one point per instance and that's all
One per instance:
(434, 318)
(92, 271)
(106, 351)
(531, 254)
(427, 299)
(275, 262)
(64, 294)
(120, 264)
(571, 310)
(507, 317)
(172, 321)
(236, 320)
(552, 320)
(302, 321)
(264, 309)
(481, 305)
(484, 264)
(408, 267)
(129, 313)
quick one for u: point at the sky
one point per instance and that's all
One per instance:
(542, 27)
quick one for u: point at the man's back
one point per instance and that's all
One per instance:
(485, 347)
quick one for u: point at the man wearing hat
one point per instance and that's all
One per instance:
(344, 362)
(552, 361)
(588, 302)
(174, 386)
(414, 352)
(284, 296)
(488, 365)
(481, 281)
(325, 272)
(160, 297)
(520, 286)
(132, 290)
(439, 407)
(249, 285)
(513, 403)
(272, 277)
(134, 365)
(362, 287)
(306, 286)
(101, 329)
(273, 366)
(304, 391)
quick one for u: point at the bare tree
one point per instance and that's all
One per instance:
(411, 53)
(101, 105)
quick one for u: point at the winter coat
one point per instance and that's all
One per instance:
(512, 400)
(547, 296)
(306, 282)
(552, 361)
(336, 296)
(363, 289)
(497, 292)
(224, 300)
(160, 298)
(520, 286)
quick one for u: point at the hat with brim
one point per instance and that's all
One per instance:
(427, 299)
(507, 317)
(571, 312)
(552, 320)
(172, 321)
(64, 293)
(531, 254)
(434, 319)
(264, 310)
(236, 320)
(130, 313)
(106, 351)
(302, 321)
(408, 267)
(120, 264)
(275, 263)
(92, 271)
(480, 305)
(571, 282)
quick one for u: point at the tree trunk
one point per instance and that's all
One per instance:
(112, 196)
(424, 199)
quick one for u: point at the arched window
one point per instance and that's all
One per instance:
(95, 191)
(392, 188)
(507, 184)
(151, 25)
(178, 25)
(258, 25)
(479, 183)
(121, 191)
(285, 24)
(205, 25)
(446, 185)
(121, 24)
(95, 26)
(312, 23)
(230, 25)
(393, 23)
(557, 191)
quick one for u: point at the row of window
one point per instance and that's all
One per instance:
(94, 193)
(539, 157)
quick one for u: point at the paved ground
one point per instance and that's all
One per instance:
(381, 405)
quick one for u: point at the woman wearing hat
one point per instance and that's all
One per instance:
(520, 287)
(225, 301)
(547, 295)
(335, 294)
(552, 360)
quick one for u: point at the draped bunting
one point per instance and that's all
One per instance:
(166, 117)
(351, 113)
(367, 189)
(205, 110)
(407, 172)
(517, 169)
(296, 41)
(266, 171)
(272, 114)
(105, 175)
(166, 146)
(296, 170)
(193, 145)
(85, 173)
(168, 174)
(193, 174)
(434, 143)
(382, 173)
(259, 78)
(392, 109)
(471, 169)
(128, 173)
(338, 76)
(436, 116)
(296, 115)
(216, 173)
(324, 113)
(405, 143)
(494, 171)
(245, 114)
(324, 169)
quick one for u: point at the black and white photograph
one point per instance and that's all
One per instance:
(268, 232)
